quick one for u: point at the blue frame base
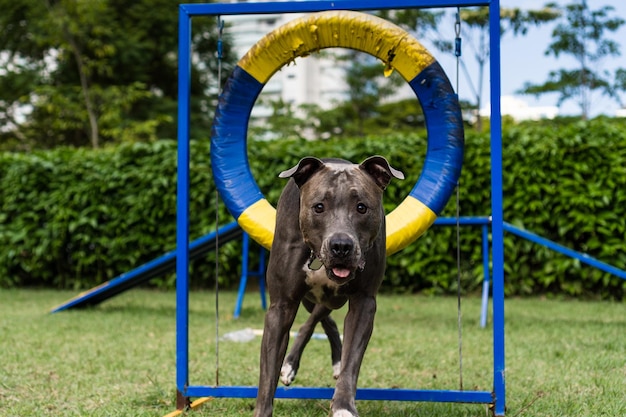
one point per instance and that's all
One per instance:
(324, 393)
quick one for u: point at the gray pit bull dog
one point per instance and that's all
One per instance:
(328, 249)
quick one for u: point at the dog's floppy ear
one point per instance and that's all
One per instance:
(303, 171)
(380, 170)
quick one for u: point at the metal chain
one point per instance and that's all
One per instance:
(457, 45)
(457, 53)
(220, 28)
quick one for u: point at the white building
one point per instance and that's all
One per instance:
(520, 110)
(316, 79)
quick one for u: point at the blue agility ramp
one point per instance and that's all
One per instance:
(582, 257)
(149, 270)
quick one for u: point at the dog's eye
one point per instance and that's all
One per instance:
(361, 208)
(319, 208)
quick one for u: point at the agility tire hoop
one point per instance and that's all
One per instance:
(362, 32)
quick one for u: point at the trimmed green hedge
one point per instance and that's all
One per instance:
(73, 218)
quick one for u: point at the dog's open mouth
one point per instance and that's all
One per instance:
(339, 274)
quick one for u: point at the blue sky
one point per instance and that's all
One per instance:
(523, 60)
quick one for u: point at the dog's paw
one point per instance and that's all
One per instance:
(336, 369)
(343, 413)
(287, 374)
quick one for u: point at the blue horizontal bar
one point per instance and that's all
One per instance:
(463, 221)
(583, 257)
(325, 393)
(318, 5)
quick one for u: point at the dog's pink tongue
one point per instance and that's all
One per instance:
(341, 272)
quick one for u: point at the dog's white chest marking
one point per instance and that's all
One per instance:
(318, 282)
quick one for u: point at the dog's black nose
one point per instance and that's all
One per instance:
(341, 245)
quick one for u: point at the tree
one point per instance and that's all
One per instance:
(71, 23)
(582, 35)
(283, 121)
(475, 34)
(620, 85)
(80, 72)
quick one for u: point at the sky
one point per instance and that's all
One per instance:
(523, 60)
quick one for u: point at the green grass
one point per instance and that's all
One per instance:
(564, 358)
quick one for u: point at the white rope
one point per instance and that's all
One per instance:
(220, 28)
(457, 53)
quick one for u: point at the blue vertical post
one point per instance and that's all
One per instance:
(246, 272)
(497, 224)
(486, 276)
(243, 281)
(182, 209)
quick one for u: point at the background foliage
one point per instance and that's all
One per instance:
(584, 35)
(73, 218)
(88, 73)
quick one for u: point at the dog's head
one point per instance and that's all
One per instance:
(341, 211)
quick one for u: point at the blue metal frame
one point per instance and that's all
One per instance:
(497, 211)
(186, 12)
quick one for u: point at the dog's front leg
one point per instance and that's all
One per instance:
(358, 327)
(278, 321)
